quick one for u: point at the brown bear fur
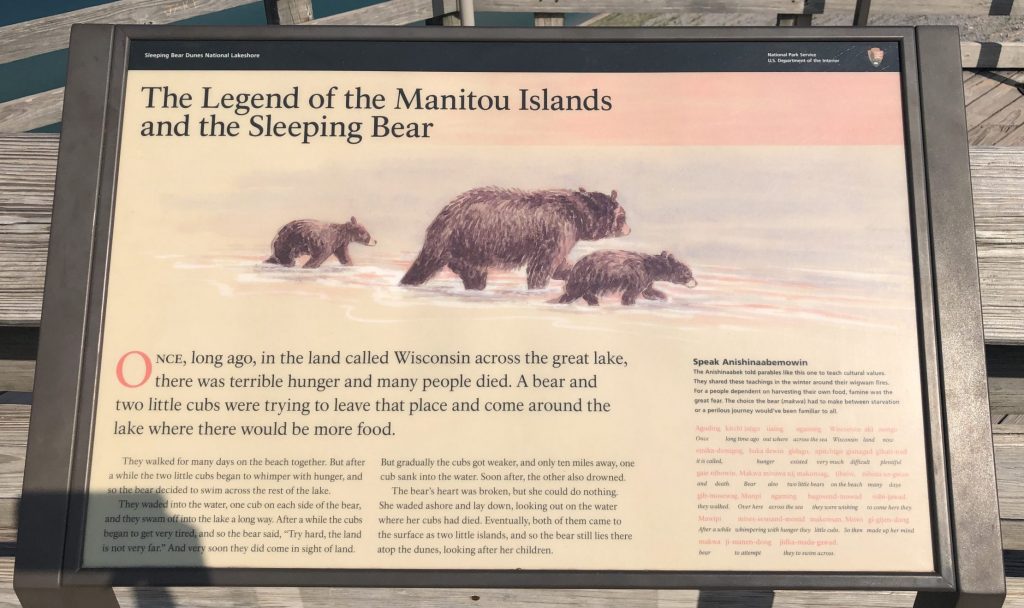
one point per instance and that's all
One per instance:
(630, 273)
(319, 240)
(506, 228)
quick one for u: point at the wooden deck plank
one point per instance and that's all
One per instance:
(8, 521)
(1012, 533)
(17, 375)
(994, 106)
(32, 111)
(980, 83)
(1009, 451)
(1014, 138)
(995, 54)
(1006, 396)
(51, 33)
(28, 164)
(999, 125)
(987, 104)
(288, 12)
(998, 182)
(1012, 125)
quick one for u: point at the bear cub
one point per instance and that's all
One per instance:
(628, 272)
(319, 240)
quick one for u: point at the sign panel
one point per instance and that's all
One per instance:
(506, 308)
(648, 306)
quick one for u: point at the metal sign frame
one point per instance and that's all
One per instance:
(965, 523)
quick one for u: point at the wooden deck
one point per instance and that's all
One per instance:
(49, 34)
(995, 110)
(995, 107)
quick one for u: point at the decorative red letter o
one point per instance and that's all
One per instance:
(120, 369)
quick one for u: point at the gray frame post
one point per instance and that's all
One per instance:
(978, 556)
(862, 12)
(38, 570)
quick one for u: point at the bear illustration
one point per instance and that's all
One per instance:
(506, 228)
(628, 272)
(319, 240)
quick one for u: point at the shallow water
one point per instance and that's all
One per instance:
(724, 297)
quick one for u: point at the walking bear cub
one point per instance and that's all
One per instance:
(627, 272)
(506, 228)
(319, 240)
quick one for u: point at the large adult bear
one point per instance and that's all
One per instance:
(507, 228)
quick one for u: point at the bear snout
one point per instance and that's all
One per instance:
(691, 283)
(371, 242)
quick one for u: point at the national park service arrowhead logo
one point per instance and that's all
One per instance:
(875, 56)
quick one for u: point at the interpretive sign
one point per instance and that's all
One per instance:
(430, 308)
